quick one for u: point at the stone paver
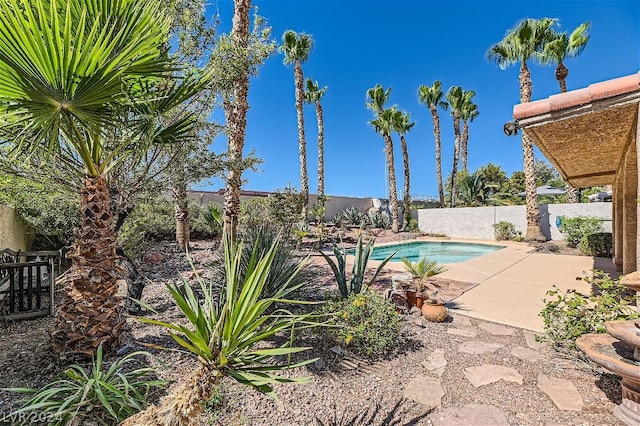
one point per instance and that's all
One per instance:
(478, 348)
(490, 373)
(526, 354)
(530, 337)
(425, 390)
(461, 332)
(461, 320)
(562, 392)
(436, 363)
(470, 415)
(496, 329)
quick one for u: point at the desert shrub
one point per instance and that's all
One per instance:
(574, 228)
(213, 216)
(353, 216)
(107, 394)
(572, 314)
(504, 231)
(598, 244)
(413, 225)
(254, 211)
(380, 220)
(367, 324)
(286, 207)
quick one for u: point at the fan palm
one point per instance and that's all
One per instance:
(520, 44)
(402, 124)
(85, 91)
(432, 96)
(377, 97)
(314, 95)
(560, 47)
(468, 113)
(296, 49)
(457, 99)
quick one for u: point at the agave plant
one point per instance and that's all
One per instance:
(353, 216)
(357, 283)
(223, 335)
(380, 220)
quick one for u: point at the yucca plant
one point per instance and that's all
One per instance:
(96, 395)
(357, 283)
(223, 334)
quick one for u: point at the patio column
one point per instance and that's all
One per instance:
(618, 197)
(630, 204)
(636, 153)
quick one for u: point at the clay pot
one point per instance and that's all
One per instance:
(411, 298)
(434, 311)
(419, 300)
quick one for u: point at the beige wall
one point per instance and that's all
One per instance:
(13, 232)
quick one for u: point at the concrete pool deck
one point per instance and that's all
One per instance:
(513, 282)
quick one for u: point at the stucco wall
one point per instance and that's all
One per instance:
(477, 222)
(13, 232)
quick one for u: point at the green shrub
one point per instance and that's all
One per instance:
(366, 324)
(599, 244)
(504, 231)
(254, 212)
(572, 314)
(213, 215)
(108, 396)
(575, 228)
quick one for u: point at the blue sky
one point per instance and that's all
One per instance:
(403, 44)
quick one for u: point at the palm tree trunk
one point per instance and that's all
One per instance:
(320, 117)
(465, 139)
(91, 314)
(407, 184)
(393, 194)
(562, 72)
(302, 143)
(534, 231)
(235, 112)
(181, 207)
(456, 154)
(436, 135)
(183, 405)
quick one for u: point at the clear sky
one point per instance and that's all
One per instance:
(403, 44)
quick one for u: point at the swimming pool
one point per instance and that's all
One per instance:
(441, 252)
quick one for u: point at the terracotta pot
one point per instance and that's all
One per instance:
(411, 298)
(434, 311)
(419, 300)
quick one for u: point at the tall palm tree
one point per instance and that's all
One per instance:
(314, 95)
(432, 96)
(560, 47)
(377, 97)
(296, 49)
(457, 98)
(519, 45)
(402, 124)
(73, 92)
(468, 113)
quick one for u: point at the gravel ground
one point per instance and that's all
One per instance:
(342, 389)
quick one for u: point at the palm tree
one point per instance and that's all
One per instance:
(468, 113)
(377, 97)
(61, 95)
(521, 44)
(560, 47)
(431, 96)
(296, 49)
(402, 124)
(457, 98)
(314, 95)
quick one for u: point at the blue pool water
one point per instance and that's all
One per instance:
(441, 252)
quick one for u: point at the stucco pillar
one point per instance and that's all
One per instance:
(618, 197)
(630, 218)
(636, 153)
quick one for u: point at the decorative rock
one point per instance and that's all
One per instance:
(189, 275)
(530, 337)
(479, 348)
(462, 320)
(319, 364)
(425, 390)
(415, 311)
(436, 362)
(470, 415)
(153, 257)
(419, 321)
(489, 373)
(562, 392)
(496, 329)
(526, 354)
(338, 350)
(461, 332)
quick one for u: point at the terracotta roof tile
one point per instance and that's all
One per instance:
(601, 90)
